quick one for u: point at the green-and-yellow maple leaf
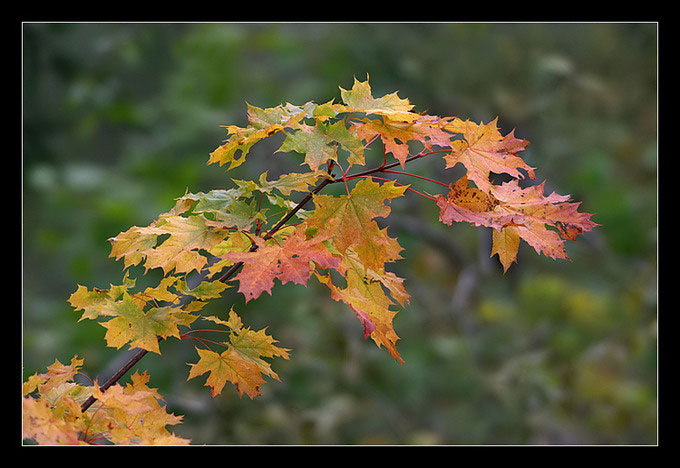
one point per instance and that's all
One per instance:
(242, 362)
(263, 124)
(319, 143)
(139, 328)
(391, 106)
(252, 345)
(180, 251)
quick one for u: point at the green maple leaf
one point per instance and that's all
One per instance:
(319, 143)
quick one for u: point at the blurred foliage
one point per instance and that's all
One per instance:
(118, 120)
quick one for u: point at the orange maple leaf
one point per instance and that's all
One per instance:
(516, 213)
(484, 150)
(289, 262)
(396, 135)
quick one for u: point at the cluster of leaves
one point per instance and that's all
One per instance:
(246, 229)
(52, 409)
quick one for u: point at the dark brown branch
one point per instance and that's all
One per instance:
(115, 377)
(386, 166)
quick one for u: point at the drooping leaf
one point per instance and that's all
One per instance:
(505, 244)
(472, 205)
(372, 306)
(516, 213)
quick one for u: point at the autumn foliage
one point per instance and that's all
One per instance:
(253, 235)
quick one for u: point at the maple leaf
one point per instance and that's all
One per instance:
(234, 242)
(131, 245)
(396, 135)
(538, 212)
(228, 366)
(57, 374)
(140, 329)
(516, 213)
(351, 262)
(485, 150)
(180, 251)
(368, 300)
(349, 221)
(97, 302)
(123, 415)
(289, 262)
(555, 209)
(204, 290)
(263, 124)
(360, 99)
(242, 140)
(242, 362)
(364, 292)
(291, 182)
(287, 115)
(469, 204)
(40, 424)
(116, 397)
(505, 244)
(319, 143)
(161, 292)
(136, 415)
(252, 345)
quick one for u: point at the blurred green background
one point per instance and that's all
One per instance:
(118, 120)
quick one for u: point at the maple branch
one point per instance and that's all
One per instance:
(418, 176)
(235, 267)
(397, 183)
(384, 167)
(115, 377)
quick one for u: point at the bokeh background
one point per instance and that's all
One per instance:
(118, 120)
